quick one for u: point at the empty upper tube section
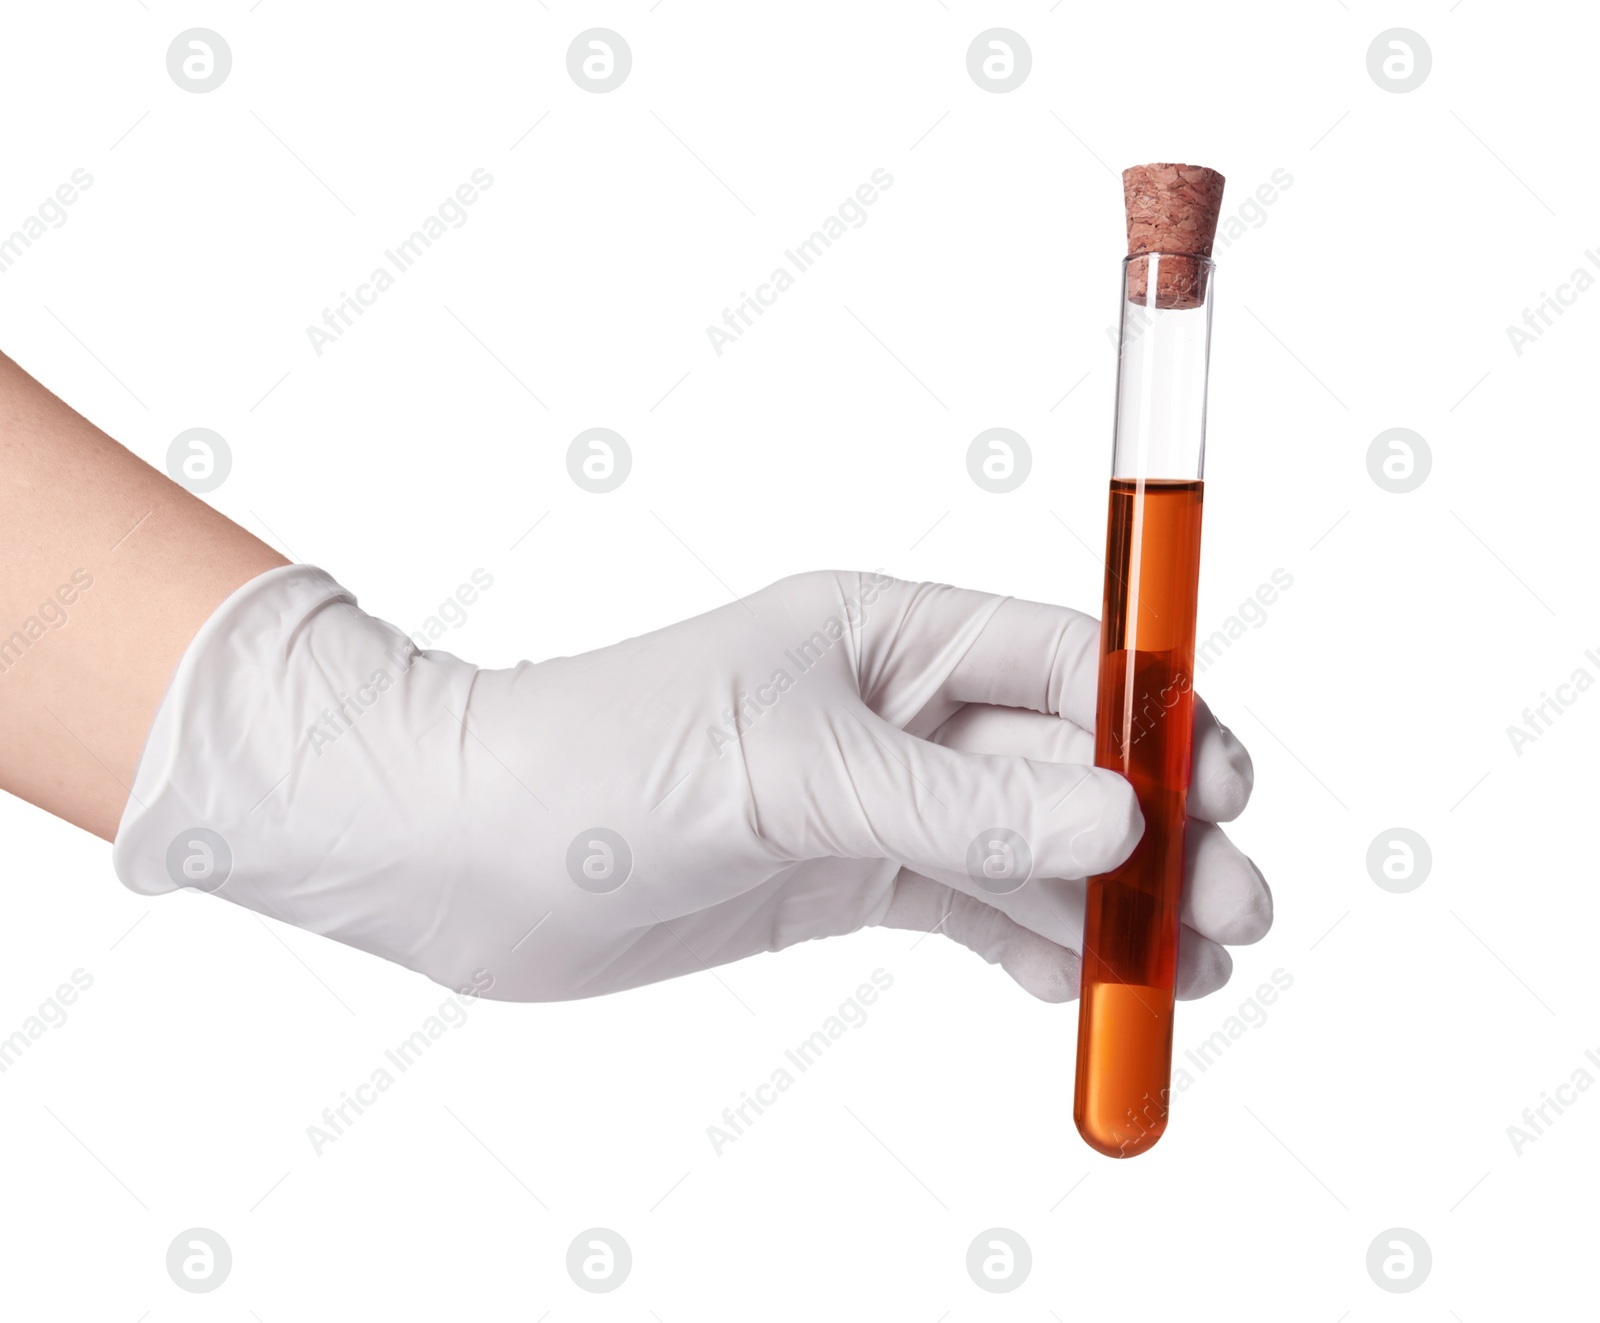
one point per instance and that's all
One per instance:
(1163, 352)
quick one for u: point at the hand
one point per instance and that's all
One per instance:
(823, 756)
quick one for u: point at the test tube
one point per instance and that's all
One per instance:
(1144, 713)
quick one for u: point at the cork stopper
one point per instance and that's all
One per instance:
(1172, 210)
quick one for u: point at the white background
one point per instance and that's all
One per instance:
(1374, 292)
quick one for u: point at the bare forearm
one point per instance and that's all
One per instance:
(107, 570)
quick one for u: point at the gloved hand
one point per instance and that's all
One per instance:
(836, 751)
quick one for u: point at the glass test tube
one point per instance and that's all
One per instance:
(1144, 717)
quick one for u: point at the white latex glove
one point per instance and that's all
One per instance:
(826, 755)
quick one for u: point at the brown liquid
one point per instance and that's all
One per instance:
(1143, 726)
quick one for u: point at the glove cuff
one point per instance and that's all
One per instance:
(224, 684)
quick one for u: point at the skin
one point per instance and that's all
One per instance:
(75, 705)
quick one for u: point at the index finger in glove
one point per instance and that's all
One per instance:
(1221, 775)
